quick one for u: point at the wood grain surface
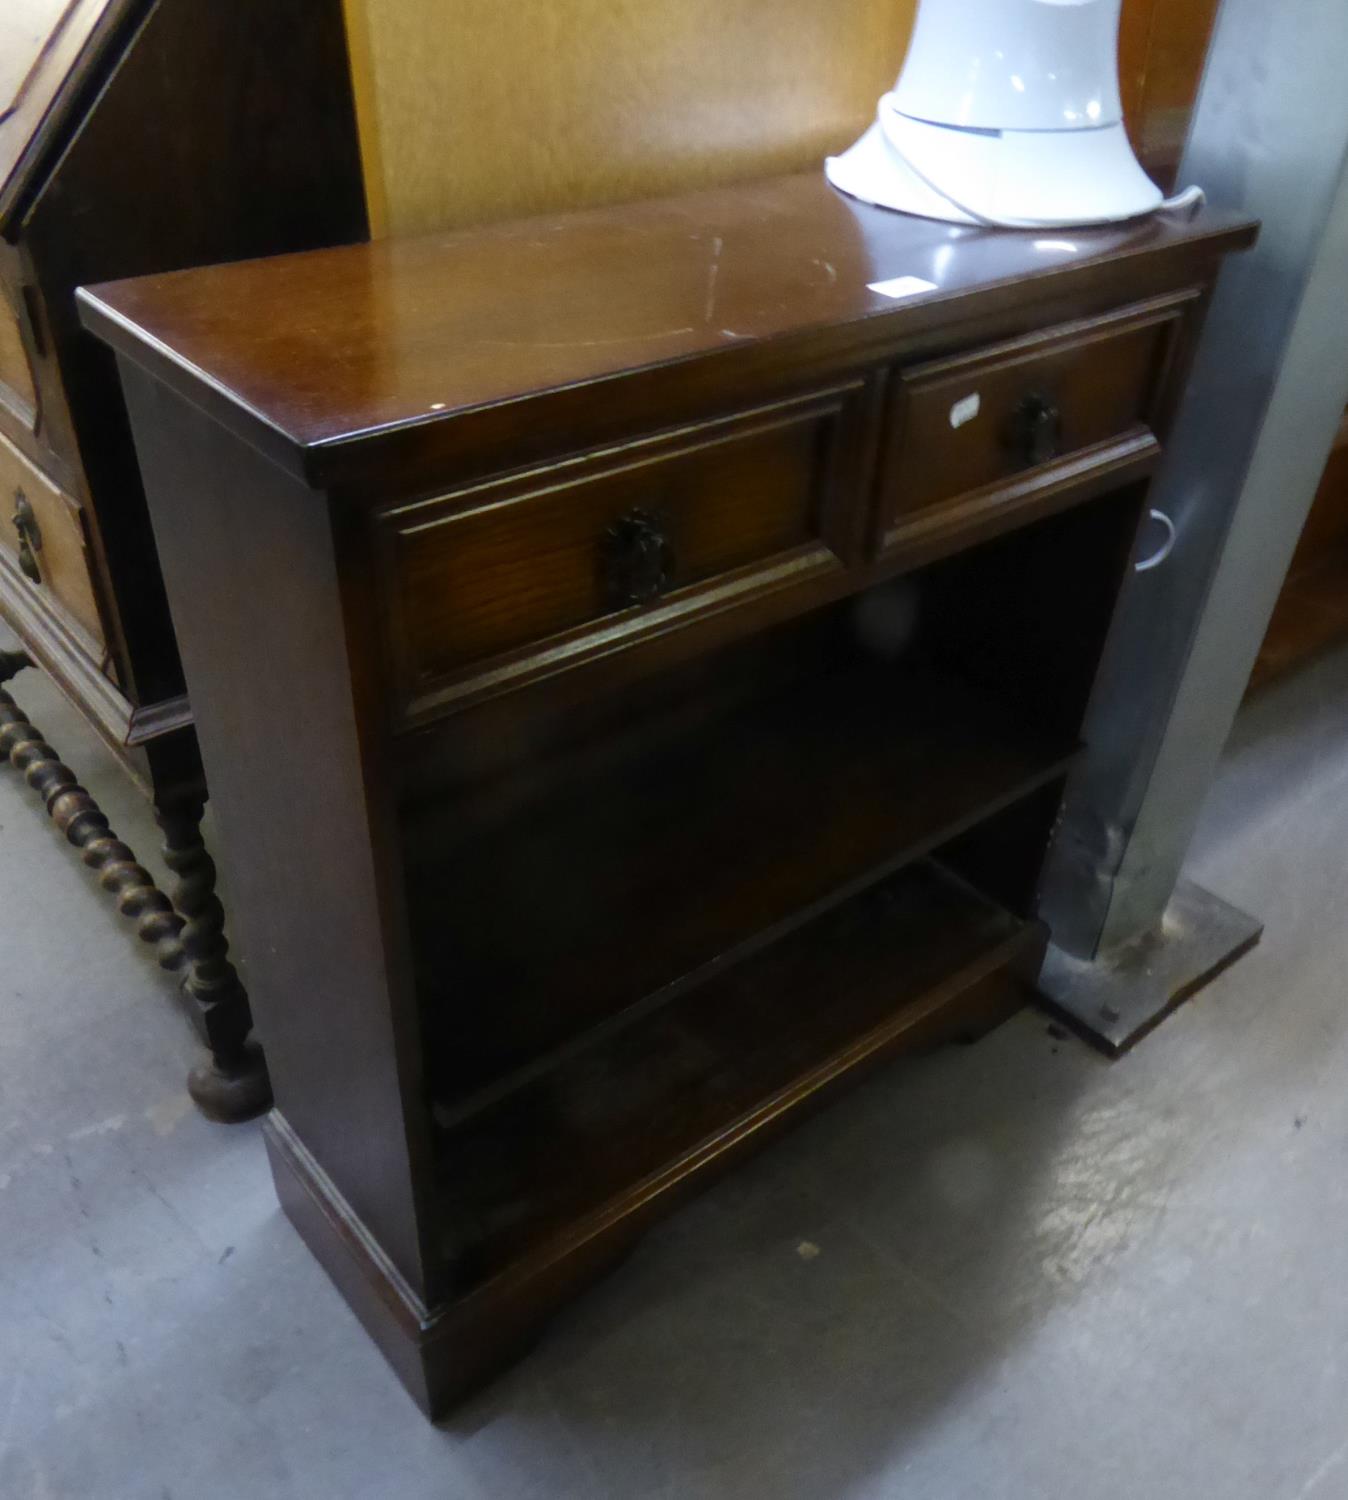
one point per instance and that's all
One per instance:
(1163, 45)
(17, 390)
(473, 111)
(1099, 379)
(27, 29)
(62, 558)
(336, 346)
(49, 49)
(477, 111)
(532, 972)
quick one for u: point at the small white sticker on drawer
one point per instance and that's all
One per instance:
(901, 286)
(965, 410)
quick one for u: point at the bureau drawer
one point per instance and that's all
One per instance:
(515, 578)
(42, 534)
(962, 430)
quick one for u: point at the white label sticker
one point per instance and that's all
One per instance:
(966, 410)
(901, 286)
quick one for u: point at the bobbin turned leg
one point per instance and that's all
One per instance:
(234, 1086)
(83, 822)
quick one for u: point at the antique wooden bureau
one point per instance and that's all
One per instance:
(135, 136)
(637, 656)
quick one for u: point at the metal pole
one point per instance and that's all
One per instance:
(1270, 138)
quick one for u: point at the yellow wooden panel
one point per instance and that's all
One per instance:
(62, 557)
(1177, 50)
(1134, 45)
(17, 390)
(27, 28)
(474, 110)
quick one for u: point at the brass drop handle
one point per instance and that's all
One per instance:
(1036, 429)
(30, 537)
(637, 559)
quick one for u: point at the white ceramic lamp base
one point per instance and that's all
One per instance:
(1031, 179)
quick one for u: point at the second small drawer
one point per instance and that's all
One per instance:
(960, 429)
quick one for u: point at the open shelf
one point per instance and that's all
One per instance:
(545, 913)
(651, 1106)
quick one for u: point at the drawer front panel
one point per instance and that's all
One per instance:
(42, 533)
(519, 577)
(961, 427)
(17, 390)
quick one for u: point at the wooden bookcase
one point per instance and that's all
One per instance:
(677, 685)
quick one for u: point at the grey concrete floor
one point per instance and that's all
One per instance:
(1013, 1270)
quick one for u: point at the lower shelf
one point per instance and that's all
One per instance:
(544, 1189)
(651, 1107)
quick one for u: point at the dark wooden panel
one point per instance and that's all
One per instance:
(653, 1104)
(1003, 856)
(18, 389)
(444, 1353)
(601, 551)
(1327, 524)
(293, 817)
(1025, 619)
(1311, 616)
(541, 966)
(196, 134)
(378, 350)
(1312, 610)
(959, 426)
(544, 902)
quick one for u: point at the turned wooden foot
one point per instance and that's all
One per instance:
(189, 942)
(234, 1085)
(233, 1089)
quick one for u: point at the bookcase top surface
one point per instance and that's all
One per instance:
(330, 348)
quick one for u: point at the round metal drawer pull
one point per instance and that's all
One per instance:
(1166, 547)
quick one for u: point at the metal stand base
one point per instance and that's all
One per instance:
(1114, 1001)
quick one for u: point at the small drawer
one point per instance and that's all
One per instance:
(42, 535)
(519, 577)
(963, 429)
